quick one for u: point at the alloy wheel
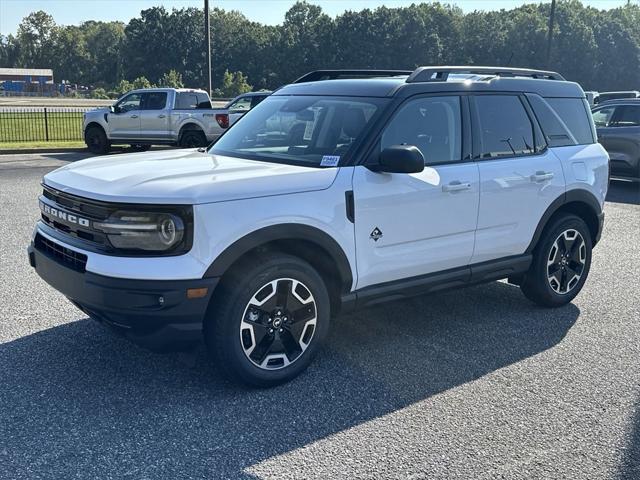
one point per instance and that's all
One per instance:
(278, 324)
(566, 261)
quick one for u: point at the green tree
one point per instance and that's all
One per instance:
(99, 93)
(35, 39)
(123, 87)
(141, 82)
(171, 79)
(233, 84)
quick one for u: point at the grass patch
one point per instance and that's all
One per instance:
(32, 125)
(75, 144)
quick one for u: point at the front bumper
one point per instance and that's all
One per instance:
(153, 313)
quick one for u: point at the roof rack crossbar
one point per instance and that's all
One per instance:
(334, 74)
(440, 74)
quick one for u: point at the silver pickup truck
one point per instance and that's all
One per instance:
(163, 116)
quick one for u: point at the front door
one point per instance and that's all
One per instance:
(413, 224)
(124, 121)
(155, 116)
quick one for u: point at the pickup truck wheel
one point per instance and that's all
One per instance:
(561, 263)
(193, 139)
(268, 320)
(96, 140)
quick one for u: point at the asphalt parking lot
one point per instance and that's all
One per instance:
(471, 384)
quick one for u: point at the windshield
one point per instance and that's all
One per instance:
(313, 131)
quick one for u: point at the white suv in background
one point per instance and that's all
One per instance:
(339, 191)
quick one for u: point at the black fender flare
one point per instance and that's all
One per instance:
(285, 231)
(571, 196)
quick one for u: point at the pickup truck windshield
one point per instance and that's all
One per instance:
(302, 130)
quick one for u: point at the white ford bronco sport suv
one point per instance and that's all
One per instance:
(338, 191)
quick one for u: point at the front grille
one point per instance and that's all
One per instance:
(76, 207)
(65, 256)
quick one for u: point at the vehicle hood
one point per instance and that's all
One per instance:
(183, 177)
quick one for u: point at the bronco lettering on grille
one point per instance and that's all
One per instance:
(64, 216)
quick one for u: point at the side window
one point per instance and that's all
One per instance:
(602, 116)
(129, 103)
(433, 124)
(574, 112)
(256, 100)
(154, 100)
(505, 127)
(203, 101)
(241, 105)
(627, 116)
(186, 101)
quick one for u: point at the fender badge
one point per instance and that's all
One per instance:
(376, 234)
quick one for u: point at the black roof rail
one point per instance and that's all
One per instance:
(440, 74)
(333, 74)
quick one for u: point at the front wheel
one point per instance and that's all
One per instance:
(268, 320)
(561, 262)
(97, 140)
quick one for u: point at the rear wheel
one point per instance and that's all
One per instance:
(193, 139)
(561, 262)
(268, 320)
(97, 140)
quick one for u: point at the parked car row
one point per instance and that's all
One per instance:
(185, 118)
(163, 116)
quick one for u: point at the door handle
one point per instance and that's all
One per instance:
(541, 176)
(456, 186)
(162, 115)
(134, 116)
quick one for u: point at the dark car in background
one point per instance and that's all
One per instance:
(606, 96)
(618, 126)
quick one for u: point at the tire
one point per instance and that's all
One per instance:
(97, 141)
(193, 139)
(258, 335)
(561, 262)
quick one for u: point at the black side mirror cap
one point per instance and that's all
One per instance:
(399, 159)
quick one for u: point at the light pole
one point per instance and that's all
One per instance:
(207, 39)
(552, 17)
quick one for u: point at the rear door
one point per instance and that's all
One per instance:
(619, 133)
(124, 121)
(155, 116)
(519, 176)
(409, 225)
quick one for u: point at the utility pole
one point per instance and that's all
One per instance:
(207, 39)
(552, 18)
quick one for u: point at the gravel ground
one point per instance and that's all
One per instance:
(477, 383)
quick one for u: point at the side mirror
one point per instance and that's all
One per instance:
(112, 109)
(400, 159)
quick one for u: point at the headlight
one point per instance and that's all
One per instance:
(148, 231)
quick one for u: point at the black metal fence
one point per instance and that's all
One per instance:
(40, 124)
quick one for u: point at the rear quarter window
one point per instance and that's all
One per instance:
(575, 113)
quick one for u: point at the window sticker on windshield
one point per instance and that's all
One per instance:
(330, 160)
(309, 127)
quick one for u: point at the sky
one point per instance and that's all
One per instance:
(73, 12)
